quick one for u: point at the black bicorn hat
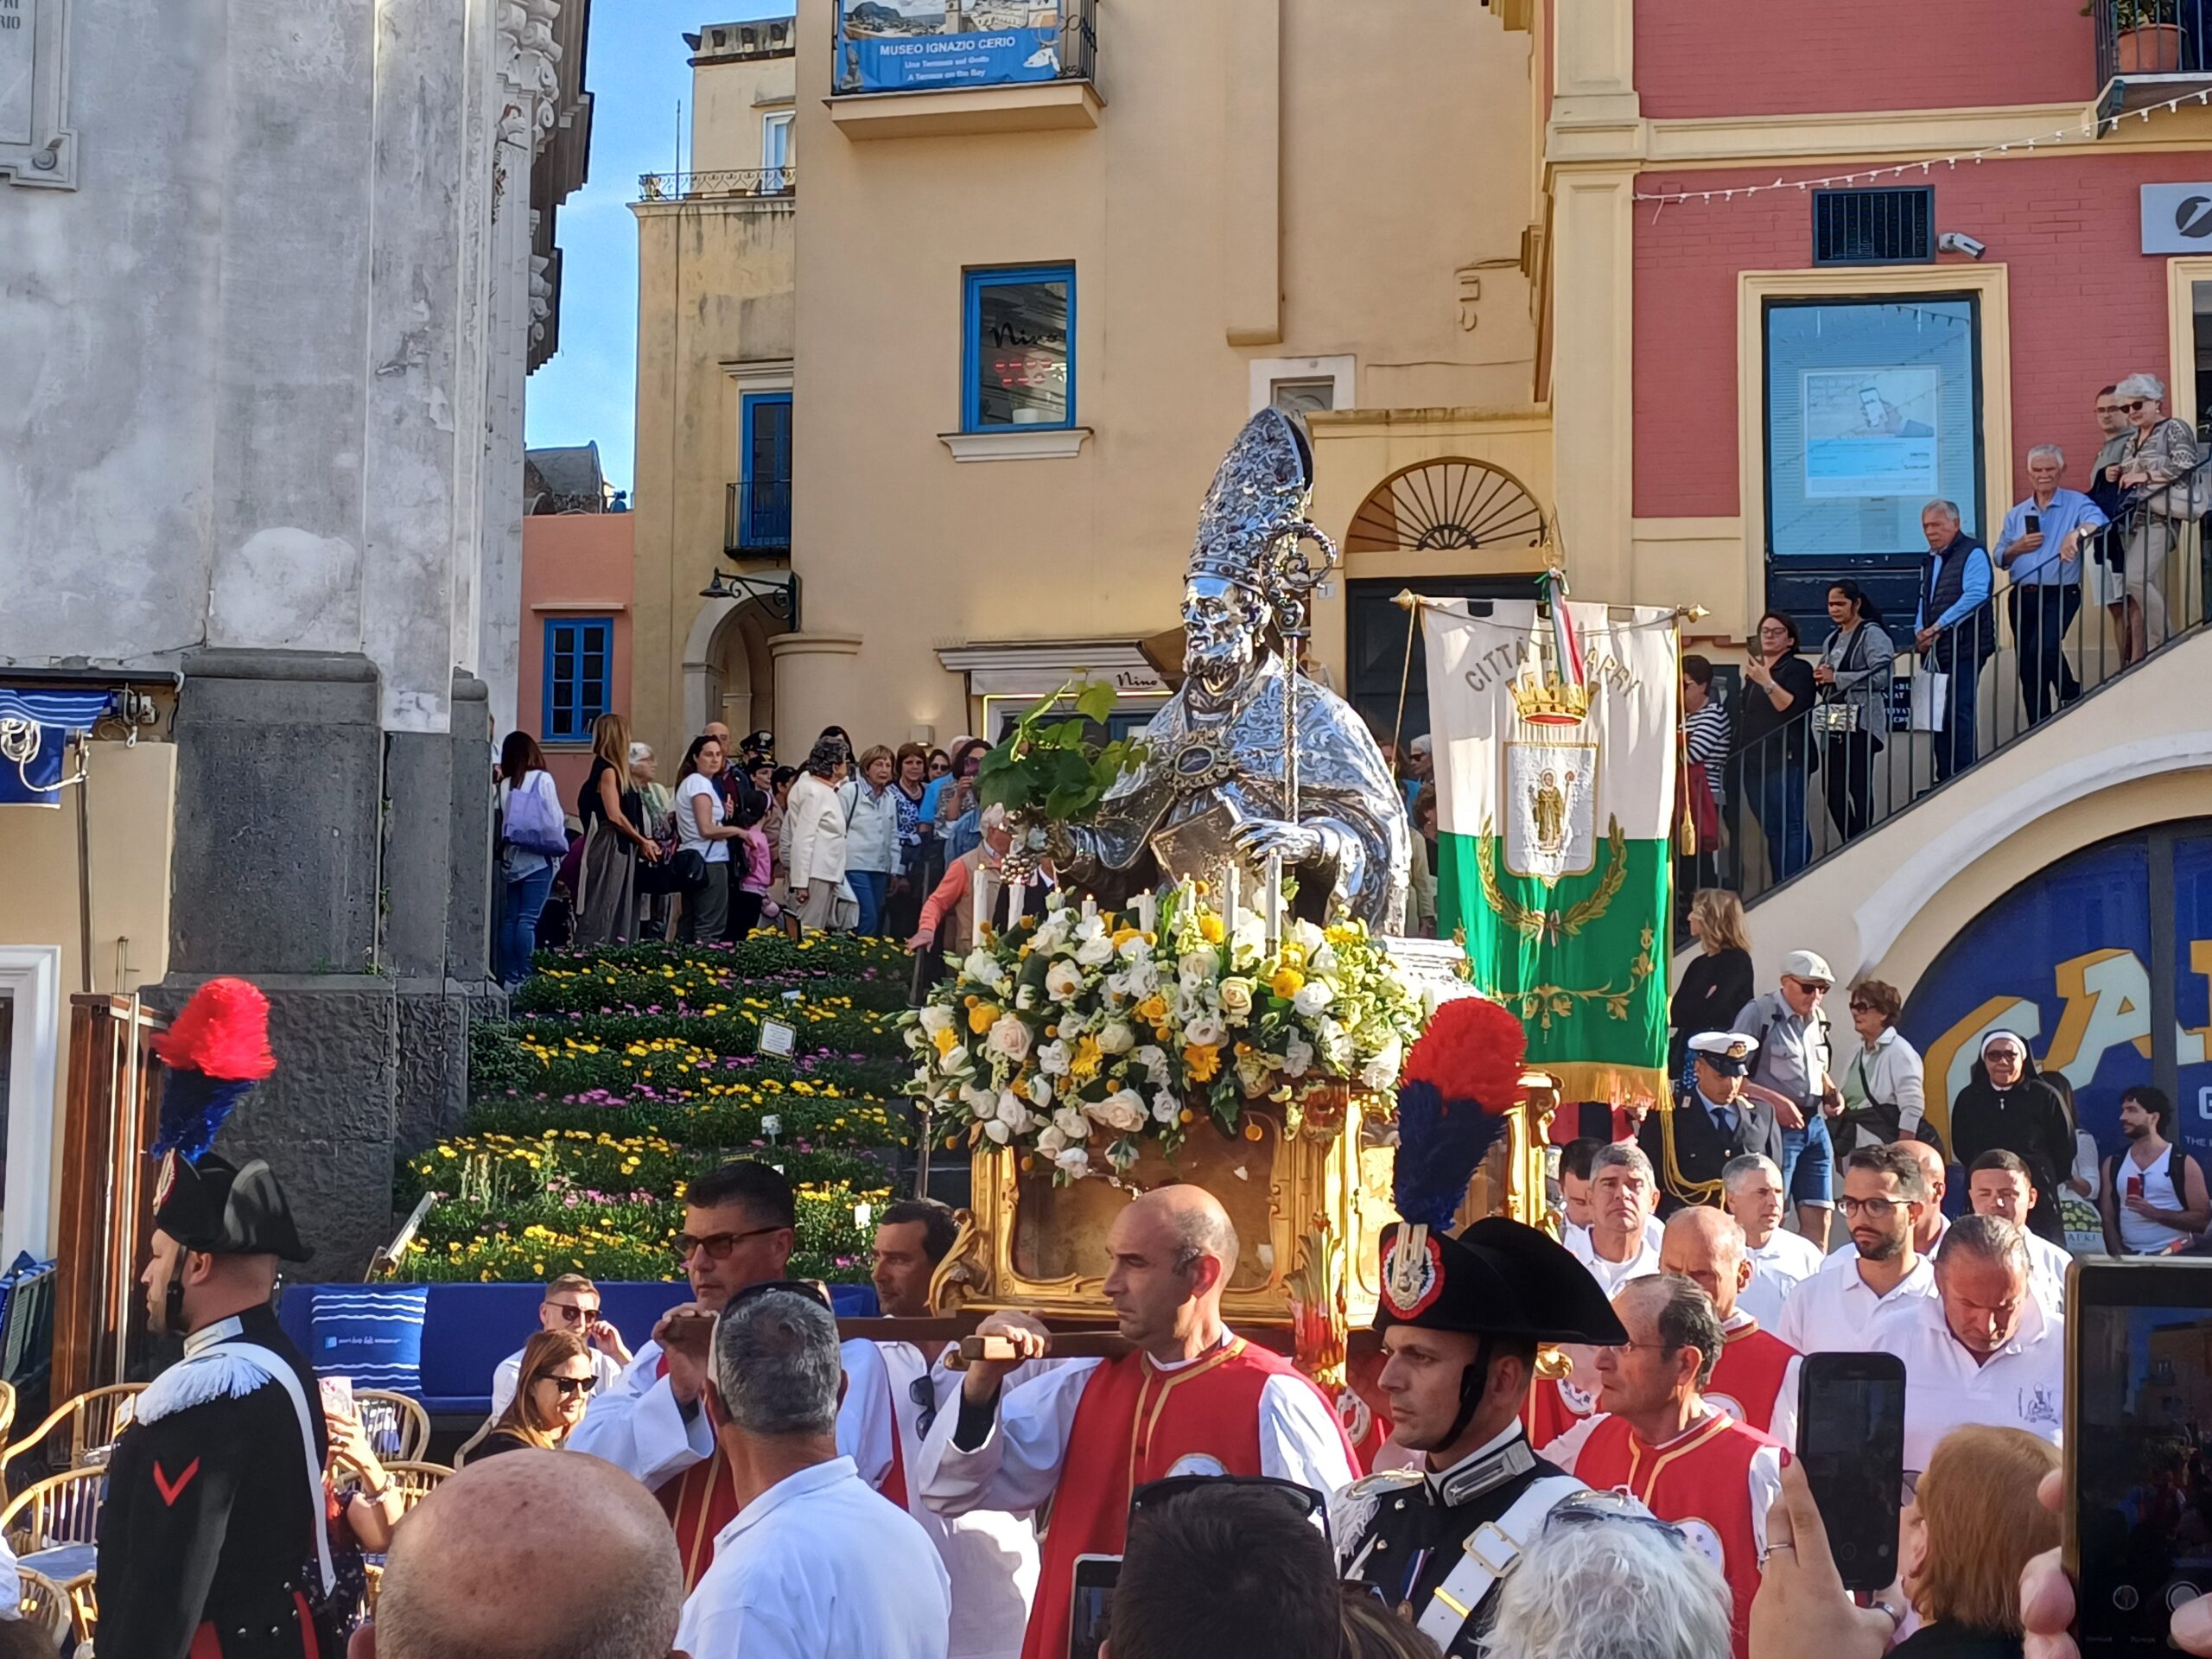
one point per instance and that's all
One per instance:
(1498, 1278)
(222, 1209)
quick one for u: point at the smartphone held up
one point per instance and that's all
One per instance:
(2137, 1539)
(1851, 1440)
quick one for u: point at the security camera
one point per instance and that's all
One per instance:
(1960, 241)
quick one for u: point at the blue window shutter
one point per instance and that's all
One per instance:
(579, 677)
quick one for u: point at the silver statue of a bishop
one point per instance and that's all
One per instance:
(1214, 789)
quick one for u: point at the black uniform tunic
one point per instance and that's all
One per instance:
(1409, 1539)
(206, 1544)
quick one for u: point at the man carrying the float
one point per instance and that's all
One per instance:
(1193, 1399)
(1461, 1320)
(740, 1222)
(212, 1541)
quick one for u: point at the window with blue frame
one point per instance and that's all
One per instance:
(1018, 356)
(764, 517)
(1873, 408)
(579, 672)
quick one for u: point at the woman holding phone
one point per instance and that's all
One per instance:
(1770, 742)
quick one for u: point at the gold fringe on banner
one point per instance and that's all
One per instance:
(1616, 1085)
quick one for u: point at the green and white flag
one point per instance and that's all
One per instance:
(1554, 746)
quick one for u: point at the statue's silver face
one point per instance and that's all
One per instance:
(1219, 638)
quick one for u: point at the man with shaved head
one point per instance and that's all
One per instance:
(1192, 1399)
(1755, 1379)
(533, 1555)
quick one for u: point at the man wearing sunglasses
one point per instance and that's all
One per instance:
(1193, 1399)
(1460, 1320)
(894, 1393)
(740, 1222)
(571, 1304)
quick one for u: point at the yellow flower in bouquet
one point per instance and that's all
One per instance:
(1286, 983)
(1201, 1062)
(1209, 928)
(983, 1017)
(946, 1040)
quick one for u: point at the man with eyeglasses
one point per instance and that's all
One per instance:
(1193, 1398)
(1884, 1196)
(1984, 1349)
(740, 1222)
(1790, 1072)
(1460, 1320)
(894, 1393)
(1658, 1438)
(571, 1304)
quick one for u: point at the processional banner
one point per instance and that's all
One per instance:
(1554, 738)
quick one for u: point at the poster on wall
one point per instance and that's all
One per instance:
(1871, 432)
(892, 46)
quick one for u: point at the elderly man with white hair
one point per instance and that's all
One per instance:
(2039, 546)
(1751, 1191)
(954, 898)
(1954, 630)
(2160, 449)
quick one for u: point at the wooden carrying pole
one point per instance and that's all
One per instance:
(105, 1214)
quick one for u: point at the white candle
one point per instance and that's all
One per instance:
(1019, 906)
(985, 897)
(1274, 901)
(1089, 907)
(1229, 884)
(1148, 911)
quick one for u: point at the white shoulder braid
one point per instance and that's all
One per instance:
(217, 1374)
(1352, 1508)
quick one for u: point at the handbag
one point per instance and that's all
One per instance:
(531, 821)
(1931, 697)
(1705, 814)
(2186, 498)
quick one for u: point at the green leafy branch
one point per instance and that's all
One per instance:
(1052, 769)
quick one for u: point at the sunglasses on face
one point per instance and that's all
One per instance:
(572, 1314)
(1864, 1008)
(716, 1245)
(569, 1387)
(2130, 408)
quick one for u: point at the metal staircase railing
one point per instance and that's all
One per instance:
(2154, 559)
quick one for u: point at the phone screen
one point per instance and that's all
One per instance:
(2139, 1448)
(1851, 1439)
(2035, 523)
(1094, 1596)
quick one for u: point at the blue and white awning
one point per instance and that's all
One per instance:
(35, 727)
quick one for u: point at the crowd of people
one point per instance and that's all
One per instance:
(859, 842)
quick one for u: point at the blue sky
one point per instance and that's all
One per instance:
(637, 71)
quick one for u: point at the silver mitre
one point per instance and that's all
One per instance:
(1255, 515)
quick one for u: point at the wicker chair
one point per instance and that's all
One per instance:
(54, 1528)
(81, 1431)
(399, 1429)
(416, 1482)
(46, 1607)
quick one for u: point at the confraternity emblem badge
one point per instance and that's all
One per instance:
(1551, 826)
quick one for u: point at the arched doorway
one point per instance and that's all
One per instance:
(727, 674)
(1455, 505)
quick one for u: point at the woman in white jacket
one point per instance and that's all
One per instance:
(814, 824)
(872, 839)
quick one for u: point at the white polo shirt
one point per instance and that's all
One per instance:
(1829, 1311)
(1776, 1266)
(2047, 1265)
(2023, 1385)
(1612, 1276)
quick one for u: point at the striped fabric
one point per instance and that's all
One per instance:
(370, 1333)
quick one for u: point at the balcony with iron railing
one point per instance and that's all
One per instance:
(1847, 768)
(985, 65)
(730, 184)
(2151, 52)
(757, 518)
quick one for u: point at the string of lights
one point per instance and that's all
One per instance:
(1972, 157)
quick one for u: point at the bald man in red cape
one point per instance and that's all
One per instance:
(1193, 1399)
